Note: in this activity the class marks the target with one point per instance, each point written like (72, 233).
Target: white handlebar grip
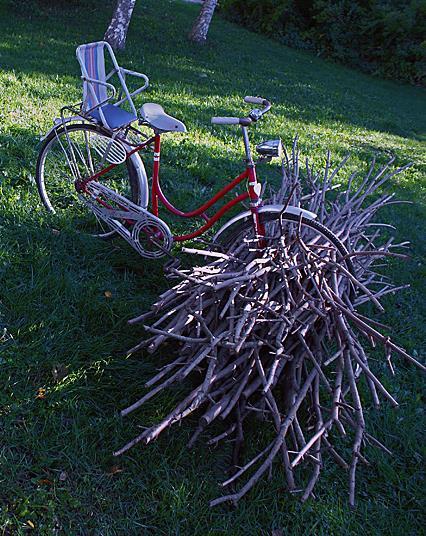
(254, 100)
(225, 120)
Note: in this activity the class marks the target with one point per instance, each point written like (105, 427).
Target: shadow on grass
(55, 310)
(309, 89)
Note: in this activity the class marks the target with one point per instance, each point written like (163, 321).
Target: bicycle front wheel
(75, 152)
(295, 230)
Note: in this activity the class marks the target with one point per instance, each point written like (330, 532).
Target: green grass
(54, 310)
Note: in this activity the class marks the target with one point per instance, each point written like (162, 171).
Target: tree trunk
(117, 29)
(202, 24)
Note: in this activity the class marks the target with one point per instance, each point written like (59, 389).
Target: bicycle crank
(147, 234)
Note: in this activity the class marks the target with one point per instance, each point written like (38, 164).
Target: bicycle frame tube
(158, 196)
(211, 221)
(80, 185)
(252, 194)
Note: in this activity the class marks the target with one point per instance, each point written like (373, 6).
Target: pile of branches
(277, 334)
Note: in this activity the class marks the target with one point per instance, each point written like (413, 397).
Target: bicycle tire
(245, 226)
(45, 179)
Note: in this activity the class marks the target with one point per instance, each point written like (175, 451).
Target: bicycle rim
(79, 151)
(313, 234)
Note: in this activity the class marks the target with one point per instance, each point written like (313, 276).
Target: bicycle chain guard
(148, 235)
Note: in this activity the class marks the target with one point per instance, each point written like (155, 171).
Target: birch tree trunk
(201, 26)
(117, 29)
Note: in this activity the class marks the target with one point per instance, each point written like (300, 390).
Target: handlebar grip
(256, 100)
(225, 120)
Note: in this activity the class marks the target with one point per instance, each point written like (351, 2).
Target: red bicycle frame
(157, 195)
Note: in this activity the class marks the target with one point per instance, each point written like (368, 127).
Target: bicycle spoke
(69, 156)
(89, 154)
(71, 163)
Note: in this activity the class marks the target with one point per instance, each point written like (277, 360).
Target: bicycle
(83, 152)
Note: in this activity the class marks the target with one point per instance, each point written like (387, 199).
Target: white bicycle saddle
(156, 117)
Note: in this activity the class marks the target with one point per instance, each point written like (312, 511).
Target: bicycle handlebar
(253, 116)
(225, 120)
(256, 100)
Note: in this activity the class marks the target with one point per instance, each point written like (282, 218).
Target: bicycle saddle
(156, 117)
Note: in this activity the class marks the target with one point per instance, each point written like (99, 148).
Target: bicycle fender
(141, 177)
(57, 123)
(297, 211)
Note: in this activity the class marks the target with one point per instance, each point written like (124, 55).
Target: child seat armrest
(100, 82)
(138, 75)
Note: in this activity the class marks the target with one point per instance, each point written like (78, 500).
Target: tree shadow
(308, 89)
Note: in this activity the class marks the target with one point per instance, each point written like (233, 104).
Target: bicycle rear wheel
(76, 151)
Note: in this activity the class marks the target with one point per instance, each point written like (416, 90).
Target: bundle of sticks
(275, 333)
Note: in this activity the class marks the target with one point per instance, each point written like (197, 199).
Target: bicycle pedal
(173, 263)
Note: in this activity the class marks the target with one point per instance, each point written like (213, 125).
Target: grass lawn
(57, 474)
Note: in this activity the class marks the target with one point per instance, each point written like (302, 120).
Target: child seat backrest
(92, 62)
(93, 59)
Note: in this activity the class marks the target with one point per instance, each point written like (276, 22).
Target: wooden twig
(274, 334)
